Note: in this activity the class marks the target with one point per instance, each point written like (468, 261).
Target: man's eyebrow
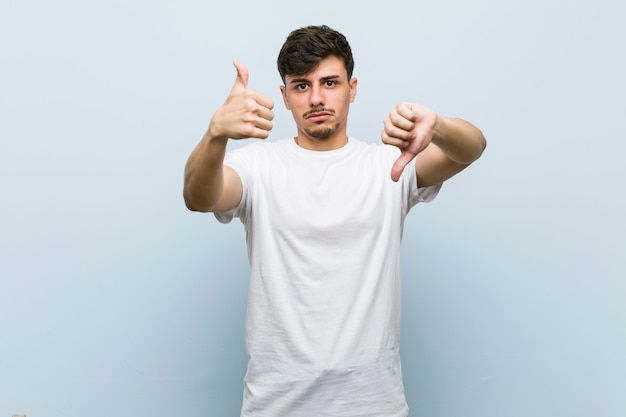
(306, 80)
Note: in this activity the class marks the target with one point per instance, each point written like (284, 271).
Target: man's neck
(325, 144)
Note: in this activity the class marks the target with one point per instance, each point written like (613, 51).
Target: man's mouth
(318, 115)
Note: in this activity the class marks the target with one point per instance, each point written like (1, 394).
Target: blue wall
(115, 300)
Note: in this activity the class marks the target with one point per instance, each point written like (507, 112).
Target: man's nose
(317, 96)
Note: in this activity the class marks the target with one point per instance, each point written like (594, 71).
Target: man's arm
(443, 146)
(209, 185)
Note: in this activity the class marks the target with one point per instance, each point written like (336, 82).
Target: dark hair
(306, 47)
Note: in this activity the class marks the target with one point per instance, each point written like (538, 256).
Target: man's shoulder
(269, 143)
(270, 147)
(259, 146)
(378, 148)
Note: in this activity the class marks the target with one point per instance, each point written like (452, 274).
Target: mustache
(318, 110)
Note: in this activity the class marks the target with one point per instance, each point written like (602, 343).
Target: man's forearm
(461, 141)
(204, 175)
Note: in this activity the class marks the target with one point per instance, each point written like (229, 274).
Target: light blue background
(116, 301)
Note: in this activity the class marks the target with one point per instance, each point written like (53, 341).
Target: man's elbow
(480, 146)
(194, 205)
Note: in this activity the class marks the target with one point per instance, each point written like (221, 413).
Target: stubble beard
(322, 132)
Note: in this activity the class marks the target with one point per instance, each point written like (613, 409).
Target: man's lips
(318, 115)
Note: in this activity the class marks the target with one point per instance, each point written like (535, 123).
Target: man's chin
(321, 133)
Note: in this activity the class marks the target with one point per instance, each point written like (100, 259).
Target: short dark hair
(306, 47)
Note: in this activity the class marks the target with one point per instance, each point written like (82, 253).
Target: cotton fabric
(323, 231)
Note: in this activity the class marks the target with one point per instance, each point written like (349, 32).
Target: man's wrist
(439, 130)
(214, 136)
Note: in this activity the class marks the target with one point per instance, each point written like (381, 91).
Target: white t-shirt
(323, 320)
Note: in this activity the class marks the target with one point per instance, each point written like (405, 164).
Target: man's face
(319, 102)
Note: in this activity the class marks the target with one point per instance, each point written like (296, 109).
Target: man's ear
(353, 84)
(283, 92)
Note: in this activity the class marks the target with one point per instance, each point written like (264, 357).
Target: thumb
(242, 74)
(398, 166)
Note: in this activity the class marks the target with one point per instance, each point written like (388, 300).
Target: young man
(323, 214)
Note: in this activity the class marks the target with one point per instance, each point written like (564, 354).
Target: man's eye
(330, 83)
(301, 87)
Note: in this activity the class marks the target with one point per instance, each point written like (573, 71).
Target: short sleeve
(416, 194)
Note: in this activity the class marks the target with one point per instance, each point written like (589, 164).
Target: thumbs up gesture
(409, 127)
(245, 114)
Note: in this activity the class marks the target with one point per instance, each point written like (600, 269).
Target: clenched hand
(245, 114)
(409, 127)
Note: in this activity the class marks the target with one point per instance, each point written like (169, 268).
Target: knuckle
(248, 130)
(250, 106)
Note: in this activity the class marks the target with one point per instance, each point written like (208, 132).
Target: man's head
(306, 47)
